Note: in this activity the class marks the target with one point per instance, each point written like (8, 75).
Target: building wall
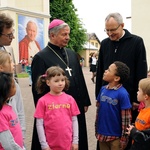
(141, 22)
(86, 55)
(35, 9)
(95, 43)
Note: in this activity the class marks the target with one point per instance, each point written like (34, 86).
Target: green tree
(65, 10)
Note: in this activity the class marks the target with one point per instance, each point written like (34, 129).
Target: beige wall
(140, 20)
(95, 43)
(86, 54)
(30, 5)
(35, 8)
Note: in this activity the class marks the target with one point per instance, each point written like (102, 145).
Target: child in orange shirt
(141, 132)
(142, 105)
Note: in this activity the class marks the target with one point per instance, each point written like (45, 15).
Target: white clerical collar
(123, 33)
(2, 48)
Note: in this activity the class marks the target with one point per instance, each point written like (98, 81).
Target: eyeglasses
(10, 35)
(111, 30)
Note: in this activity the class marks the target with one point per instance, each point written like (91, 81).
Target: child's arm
(96, 118)
(126, 120)
(7, 141)
(75, 133)
(18, 107)
(41, 134)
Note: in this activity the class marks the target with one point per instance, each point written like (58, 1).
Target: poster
(30, 37)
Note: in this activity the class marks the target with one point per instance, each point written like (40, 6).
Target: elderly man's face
(62, 38)
(113, 29)
(31, 31)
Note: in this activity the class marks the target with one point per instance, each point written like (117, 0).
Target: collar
(2, 48)
(9, 100)
(115, 87)
(54, 46)
(123, 33)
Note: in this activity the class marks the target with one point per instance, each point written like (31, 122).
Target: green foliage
(22, 75)
(65, 10)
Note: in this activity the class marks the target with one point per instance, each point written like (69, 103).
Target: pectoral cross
(69, 70)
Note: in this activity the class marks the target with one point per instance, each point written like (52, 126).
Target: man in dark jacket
(123, 46)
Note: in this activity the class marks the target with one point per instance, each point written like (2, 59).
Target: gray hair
(116, 16)
(31, 22)
(56, 29)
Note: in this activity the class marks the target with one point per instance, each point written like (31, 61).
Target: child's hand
(123, 142)
(48, 148)
(135, 106)
(123, 145)
(24, 148)
(85, 109)
(97, 104)
(129, 129)
(74, 147)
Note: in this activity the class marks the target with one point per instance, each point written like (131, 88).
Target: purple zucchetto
(55, 22)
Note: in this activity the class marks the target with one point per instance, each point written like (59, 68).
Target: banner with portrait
(30, 36)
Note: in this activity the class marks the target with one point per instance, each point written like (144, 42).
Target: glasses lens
(11, 34)
(111, 30)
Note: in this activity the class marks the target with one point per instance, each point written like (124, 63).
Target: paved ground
(29, 109)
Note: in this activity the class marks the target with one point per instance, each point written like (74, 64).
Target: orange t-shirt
(143, 119)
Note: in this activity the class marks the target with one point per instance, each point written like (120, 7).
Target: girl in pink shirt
(10, 130)
(56, 112)
(16, 101)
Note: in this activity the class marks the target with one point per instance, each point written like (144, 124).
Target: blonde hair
(3, 57)
(144, 85)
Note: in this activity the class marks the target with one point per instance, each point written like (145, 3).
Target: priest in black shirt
(55, 54)
(121, 45)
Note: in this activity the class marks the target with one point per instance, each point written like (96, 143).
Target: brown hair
(50, 72)
(5, 87)
(5, 22)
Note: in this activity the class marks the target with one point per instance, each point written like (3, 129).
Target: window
(96, 44)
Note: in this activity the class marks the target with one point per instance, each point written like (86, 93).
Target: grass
(22, 75)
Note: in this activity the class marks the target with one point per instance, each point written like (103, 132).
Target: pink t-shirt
(57, 112)
(9, 121)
